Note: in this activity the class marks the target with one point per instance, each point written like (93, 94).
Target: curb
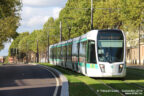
(65, 86)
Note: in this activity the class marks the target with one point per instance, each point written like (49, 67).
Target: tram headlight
(102, 67)
(120, 68)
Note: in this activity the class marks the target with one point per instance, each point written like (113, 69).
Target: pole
(19, 55)
(139, 46)
(37, 53)
(69, 32)
(48, 46)
(13, 55)
(91, 14)
(60, 31)
(27, 52)
(16, 55)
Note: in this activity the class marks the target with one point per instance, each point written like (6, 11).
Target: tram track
(108, 85)
(127, 83)
(97, 93)
(134, 84)
(100, 81)
(86, 85)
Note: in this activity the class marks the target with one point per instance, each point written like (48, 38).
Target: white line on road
(57, 81)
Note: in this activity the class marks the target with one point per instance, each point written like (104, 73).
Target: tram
(98, 53)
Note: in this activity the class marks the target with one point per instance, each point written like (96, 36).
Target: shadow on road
(26, 80)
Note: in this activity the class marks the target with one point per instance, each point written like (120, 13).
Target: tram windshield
(110, 46)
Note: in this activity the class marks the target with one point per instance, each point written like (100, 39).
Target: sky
(34, 14)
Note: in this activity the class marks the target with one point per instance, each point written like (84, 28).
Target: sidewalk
(135, 66)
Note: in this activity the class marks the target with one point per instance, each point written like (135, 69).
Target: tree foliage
(9, 19)
(126, 15)
(16, 42)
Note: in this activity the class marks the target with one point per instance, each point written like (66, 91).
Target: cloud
(37, 20)
(28, 12)
(44, 3)
(34, 14)
(56, 12)
(34, 18)
(32, 23)
(4, 52)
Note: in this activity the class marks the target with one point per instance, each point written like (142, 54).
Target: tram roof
(83, 37)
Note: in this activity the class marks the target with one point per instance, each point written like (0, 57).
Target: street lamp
(37, 54)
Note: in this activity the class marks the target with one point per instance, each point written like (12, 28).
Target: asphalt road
(27, 80)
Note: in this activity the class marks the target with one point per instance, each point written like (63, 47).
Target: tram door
(91, 55)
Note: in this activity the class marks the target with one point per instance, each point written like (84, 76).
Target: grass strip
(92, 83)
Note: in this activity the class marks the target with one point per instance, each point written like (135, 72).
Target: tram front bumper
(115, 70)
(114, 74)
(109, 75)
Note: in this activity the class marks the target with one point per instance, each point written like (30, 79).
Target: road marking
(57, 81)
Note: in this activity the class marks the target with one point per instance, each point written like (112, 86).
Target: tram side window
(58, 51)
(60, 55)
(53, 53)
(91, 52)
(67, 53)
(50, 53)
(83, 51)
(75, 49)
(69, 49)
(64, 52)
(70, 52)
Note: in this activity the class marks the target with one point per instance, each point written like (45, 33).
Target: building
(133, 55)
(11, 60)
(1, 59)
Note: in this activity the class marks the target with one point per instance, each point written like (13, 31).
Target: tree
(126, 15)
(15, 43)
(9, 19)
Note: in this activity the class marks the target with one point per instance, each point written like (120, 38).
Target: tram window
(64, 52)
(83, 49)
(75, 49)
(50, 53)
(91, 52)
(61, 52)
(69, 51)
(110, 46)
(58, 53)
(54, 52)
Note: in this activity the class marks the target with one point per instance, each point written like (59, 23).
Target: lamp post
(139, 45)
(91, 14)
(37, 53)
(60, 31)
(48, 45)
(27, 52)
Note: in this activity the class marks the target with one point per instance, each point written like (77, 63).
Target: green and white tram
(99, 53)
